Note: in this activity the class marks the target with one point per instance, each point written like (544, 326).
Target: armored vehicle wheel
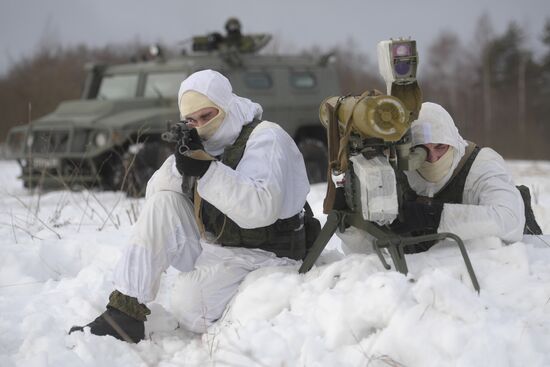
(112, 171)
(142, 165)
(315, 157)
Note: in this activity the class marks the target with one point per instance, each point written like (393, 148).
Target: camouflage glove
(418, 217)
(195, 161)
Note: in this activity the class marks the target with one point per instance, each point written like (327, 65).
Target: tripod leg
(320, 243)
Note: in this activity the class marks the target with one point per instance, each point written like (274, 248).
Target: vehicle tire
(111, 171)
(315, 157)
(141, 166)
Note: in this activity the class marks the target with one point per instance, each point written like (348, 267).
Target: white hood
(239, 111)
(434, 125)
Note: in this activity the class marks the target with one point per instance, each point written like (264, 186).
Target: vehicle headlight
(101, 139)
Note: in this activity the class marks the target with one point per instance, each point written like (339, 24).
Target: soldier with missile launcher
(403, 178)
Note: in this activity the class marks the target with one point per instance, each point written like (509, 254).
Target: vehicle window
(258, 80)
(302, 79)
(118, 86)
(163, 84)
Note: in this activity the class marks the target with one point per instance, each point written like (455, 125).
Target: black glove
(418, 216)
(186, 165)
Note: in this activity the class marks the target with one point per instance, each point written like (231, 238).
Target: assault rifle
(178, 132)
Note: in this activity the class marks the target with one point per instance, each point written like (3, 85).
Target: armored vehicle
(110, 138)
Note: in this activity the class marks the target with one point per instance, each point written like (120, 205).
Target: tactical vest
(453, 191)
(285, 237)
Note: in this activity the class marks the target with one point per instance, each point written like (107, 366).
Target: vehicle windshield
(163, 85)
(118, 86)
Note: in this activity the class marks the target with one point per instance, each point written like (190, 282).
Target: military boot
(124, 319)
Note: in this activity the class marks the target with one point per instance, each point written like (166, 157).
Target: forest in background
(496, 89)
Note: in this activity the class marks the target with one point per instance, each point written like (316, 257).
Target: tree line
(496, 89)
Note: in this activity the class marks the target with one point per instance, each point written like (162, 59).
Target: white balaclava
(435, 125)
(238, 111)
(192, 102)
(435, 171)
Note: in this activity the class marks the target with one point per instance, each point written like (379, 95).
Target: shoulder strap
(232, 155)
(467, 154)
(453, 190)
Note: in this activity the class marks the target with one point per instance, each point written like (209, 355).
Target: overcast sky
(297, 24)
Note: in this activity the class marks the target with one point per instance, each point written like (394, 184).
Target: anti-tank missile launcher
(369, 147)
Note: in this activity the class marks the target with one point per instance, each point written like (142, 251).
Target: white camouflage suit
(269, 183)
(491, 204)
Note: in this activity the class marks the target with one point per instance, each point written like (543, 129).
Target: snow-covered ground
(58, 250)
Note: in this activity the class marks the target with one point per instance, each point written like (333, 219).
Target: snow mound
(59, 249)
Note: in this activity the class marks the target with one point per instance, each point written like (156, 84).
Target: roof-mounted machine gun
(369, 147)
(233, 43)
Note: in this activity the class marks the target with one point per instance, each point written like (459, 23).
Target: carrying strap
(197, 201)
(333, 140)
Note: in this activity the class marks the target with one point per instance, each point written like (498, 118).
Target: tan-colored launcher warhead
(379, 116)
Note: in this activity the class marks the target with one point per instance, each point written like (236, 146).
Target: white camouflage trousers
(166, 234)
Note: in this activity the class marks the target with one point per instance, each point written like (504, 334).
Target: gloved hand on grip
(418, 216)
(194, 161)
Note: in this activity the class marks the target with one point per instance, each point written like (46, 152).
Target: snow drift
(59, 249)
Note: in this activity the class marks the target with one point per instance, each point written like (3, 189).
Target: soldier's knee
(190, 305)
